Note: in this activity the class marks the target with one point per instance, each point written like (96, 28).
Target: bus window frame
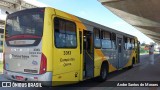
(114, 40)
(125, 42)
(27, 12)
(102, 38)
(132, 42)
(94, 29)
(65, 32)
(129, 42)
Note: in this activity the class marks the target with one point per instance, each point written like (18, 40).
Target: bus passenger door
(88, 54)
(138, 51)
(120, 58)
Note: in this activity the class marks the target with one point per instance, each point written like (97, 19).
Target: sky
(94, 11)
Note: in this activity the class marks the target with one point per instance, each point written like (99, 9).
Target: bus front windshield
(24, 24)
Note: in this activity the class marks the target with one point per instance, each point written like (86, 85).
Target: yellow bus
(46, 44)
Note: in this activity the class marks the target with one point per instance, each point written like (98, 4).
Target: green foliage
(142, 50)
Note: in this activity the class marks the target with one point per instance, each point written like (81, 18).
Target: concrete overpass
(16, 5)
(142, 14)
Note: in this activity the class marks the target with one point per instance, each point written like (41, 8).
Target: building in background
(15, 5)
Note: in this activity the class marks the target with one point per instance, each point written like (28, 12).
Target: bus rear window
(24, 28)
(65, 33)
(25, 24)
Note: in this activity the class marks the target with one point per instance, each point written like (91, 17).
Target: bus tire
(103, 73)
(133, 62)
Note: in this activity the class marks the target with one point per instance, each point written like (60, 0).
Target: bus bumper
(45, 79)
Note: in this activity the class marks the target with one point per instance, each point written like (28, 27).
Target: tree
(143, 44)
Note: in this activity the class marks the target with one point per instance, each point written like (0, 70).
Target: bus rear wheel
(133, 62)
(103, 73)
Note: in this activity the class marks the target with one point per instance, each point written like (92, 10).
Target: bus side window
(132, 42)
(135, 43)
(65, 33)
(59, 27)
(113, 40)
(129, 46)
(125, 43)
(106, 39)
(70, 34)
(97, 39)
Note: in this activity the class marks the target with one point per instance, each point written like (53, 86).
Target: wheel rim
(104, 73)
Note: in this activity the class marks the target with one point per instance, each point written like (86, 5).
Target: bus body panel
(47, 45)
(67, 62)
(23, 60)
(23, 42)
(130, 60)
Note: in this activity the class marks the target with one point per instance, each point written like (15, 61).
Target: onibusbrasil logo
(18, 84)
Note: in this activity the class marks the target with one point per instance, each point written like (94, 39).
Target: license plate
(19, 78)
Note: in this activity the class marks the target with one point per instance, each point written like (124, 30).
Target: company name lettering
(20, 56)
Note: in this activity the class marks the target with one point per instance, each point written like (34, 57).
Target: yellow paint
(99, 57)
(62, 70)
(47, 39)
(65, 78)
(55, 56)
(97, 61)
(112, 68)
(130, 59)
